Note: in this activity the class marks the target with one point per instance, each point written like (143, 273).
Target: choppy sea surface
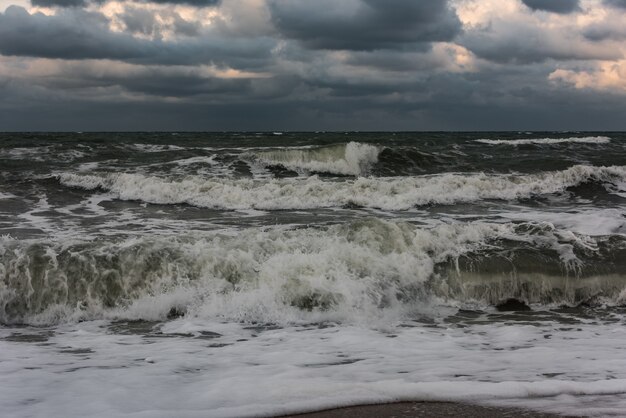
(257, 274)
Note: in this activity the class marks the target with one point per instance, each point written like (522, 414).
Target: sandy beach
(423, 409)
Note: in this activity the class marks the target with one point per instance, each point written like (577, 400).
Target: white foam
(396, 193)
(342, 273)
(196, 160)
(86, 167)
(41, 153)
(69, 155)
(36, 216)
(347, 159)
(251, 213)
(548, 141)
(211, 363)
(4, 195)
(91, 205)
(593, 222)
(30, 153)
(366, 271)
(618, 188)
(151, 148)
(245, 373)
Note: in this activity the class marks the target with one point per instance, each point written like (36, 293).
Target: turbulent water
(256, 274)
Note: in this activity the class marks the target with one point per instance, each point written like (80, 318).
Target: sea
(259, 274)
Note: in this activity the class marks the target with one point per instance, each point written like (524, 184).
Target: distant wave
(352, 159)
(548, 141)
(152, 148)
(195, 160)
(41, 153)
(398, 193)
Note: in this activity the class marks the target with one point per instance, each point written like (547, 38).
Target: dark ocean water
(231, 244)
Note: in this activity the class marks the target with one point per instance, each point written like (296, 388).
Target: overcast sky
(313, 65)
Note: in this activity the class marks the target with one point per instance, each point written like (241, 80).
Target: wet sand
(424, 409)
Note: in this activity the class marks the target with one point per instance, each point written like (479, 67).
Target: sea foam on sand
(199, 368)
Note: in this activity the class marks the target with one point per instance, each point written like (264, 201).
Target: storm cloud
(59, 3)
(82, 3)
(364, 24)
(79, 34)
(312, 65)
(555, 6)
(616, 3)
(68, 35)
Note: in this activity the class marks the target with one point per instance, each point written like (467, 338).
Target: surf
(345, 273)
(393, 193)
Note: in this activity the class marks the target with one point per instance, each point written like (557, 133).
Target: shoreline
(423, 409)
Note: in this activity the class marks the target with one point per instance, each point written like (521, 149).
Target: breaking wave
(399, 193)
(548, 141)
(42, 153)
(153, 148)
(352, 159)
(348, 272)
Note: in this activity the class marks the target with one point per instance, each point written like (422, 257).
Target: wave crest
(347, 272)
(352, 159)
(398, 193)
(548, 141)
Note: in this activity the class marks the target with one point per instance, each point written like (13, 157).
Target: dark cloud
(519, 43)
(113, 115)
(364, 24)
(71, 34)
(616, 3)
(78, 34)
(82, 3)
(185, 27)
(154, 82)
(393, 61)
(153, 22)
(59, 3)
(597, 33)
(181, 85)
(492, 100)
(603, 32)
(197, 3)
(92, 80)
(555, 6)
(140, 21)
(150, 74)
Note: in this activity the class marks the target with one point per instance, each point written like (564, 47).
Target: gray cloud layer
(68, 35)
(82, 3)
(364, 24)
(302, 64)
(556, 6)
(616, 3)
(59, 3)
(78, 34)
